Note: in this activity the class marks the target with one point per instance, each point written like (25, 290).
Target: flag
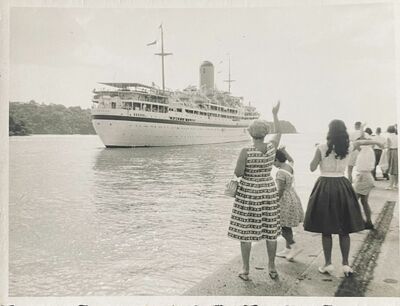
(152, 43)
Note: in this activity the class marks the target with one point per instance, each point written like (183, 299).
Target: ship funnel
(206, 76)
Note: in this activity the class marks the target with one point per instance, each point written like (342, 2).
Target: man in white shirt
(378, 151)
(353, 136)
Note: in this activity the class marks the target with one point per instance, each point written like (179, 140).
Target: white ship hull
(123, 128)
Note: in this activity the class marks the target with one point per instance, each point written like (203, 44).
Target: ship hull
(131, 131)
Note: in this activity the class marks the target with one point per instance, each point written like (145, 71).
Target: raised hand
(275, 109)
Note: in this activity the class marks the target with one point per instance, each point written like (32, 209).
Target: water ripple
(95, 221)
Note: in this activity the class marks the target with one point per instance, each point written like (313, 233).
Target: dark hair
(391, 129)
(280, 156)
(368, 131)
(378, 130)
(338, 139)
(358, 124)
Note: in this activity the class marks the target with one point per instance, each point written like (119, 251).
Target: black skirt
(333, 208)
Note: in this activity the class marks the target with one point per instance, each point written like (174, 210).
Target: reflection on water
(85, 220)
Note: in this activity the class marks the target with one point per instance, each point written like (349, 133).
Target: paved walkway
(301, 277)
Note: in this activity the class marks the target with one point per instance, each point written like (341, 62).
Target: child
(290, 205)
(364, 180)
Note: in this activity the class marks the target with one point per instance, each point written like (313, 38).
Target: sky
(321, 62)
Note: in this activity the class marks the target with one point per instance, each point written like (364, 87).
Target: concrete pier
(374, 255)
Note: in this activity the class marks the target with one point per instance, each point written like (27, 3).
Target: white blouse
(331, 166)
(392, 138)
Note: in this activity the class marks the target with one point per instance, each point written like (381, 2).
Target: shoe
(327, 269)
(273, 274)
(347, 270)
(294, 250)
(283, 253)
(369, 226)
(389, 188)
(244, 276)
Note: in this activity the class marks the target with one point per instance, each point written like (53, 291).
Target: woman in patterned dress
(255, 213)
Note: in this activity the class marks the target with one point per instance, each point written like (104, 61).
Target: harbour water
(85, 220)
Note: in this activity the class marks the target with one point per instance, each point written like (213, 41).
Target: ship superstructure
(135, 115)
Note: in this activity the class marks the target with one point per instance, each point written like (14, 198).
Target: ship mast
(229, 80)
(162, 54)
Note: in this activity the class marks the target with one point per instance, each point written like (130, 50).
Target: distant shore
(32, 118)
(27, 118)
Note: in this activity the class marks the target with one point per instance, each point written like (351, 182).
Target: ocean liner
(138, 115)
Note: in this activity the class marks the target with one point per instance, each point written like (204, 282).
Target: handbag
(231, 188)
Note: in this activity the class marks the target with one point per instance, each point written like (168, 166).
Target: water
(85, 220)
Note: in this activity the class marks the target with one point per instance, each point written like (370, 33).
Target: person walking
(353, 155)
(290, 205)
(255, 213)
(364, 180)
(392, 146)
(333, 206)
(378, 152)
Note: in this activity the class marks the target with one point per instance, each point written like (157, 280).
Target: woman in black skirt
(333, 207)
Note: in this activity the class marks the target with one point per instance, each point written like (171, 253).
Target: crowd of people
(265, 208)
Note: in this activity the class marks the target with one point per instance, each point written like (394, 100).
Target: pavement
(373, 254)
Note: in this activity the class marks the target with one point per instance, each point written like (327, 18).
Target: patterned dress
(290, 205)
(255, 213)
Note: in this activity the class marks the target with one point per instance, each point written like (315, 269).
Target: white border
(153, 300)
(4, 80)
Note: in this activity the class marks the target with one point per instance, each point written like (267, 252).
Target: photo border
(5, 6)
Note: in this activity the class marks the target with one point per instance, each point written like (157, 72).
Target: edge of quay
(373, 255)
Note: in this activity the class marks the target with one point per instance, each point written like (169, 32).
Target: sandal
(347, 270)
(244, 276)
(326, 269)
(273, 274)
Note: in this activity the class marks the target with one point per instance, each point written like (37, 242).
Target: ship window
(154, 108)
(127, 105)
(136, 106)
(113, 105)
(148, 107)
(179, 110)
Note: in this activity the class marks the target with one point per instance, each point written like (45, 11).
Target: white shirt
(392, 141)
(365, 159)
(353, 136)
(331, 166)
(380, 139)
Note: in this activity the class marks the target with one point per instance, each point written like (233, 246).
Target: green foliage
(35, 118)
(17, 127)
(287, 127)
